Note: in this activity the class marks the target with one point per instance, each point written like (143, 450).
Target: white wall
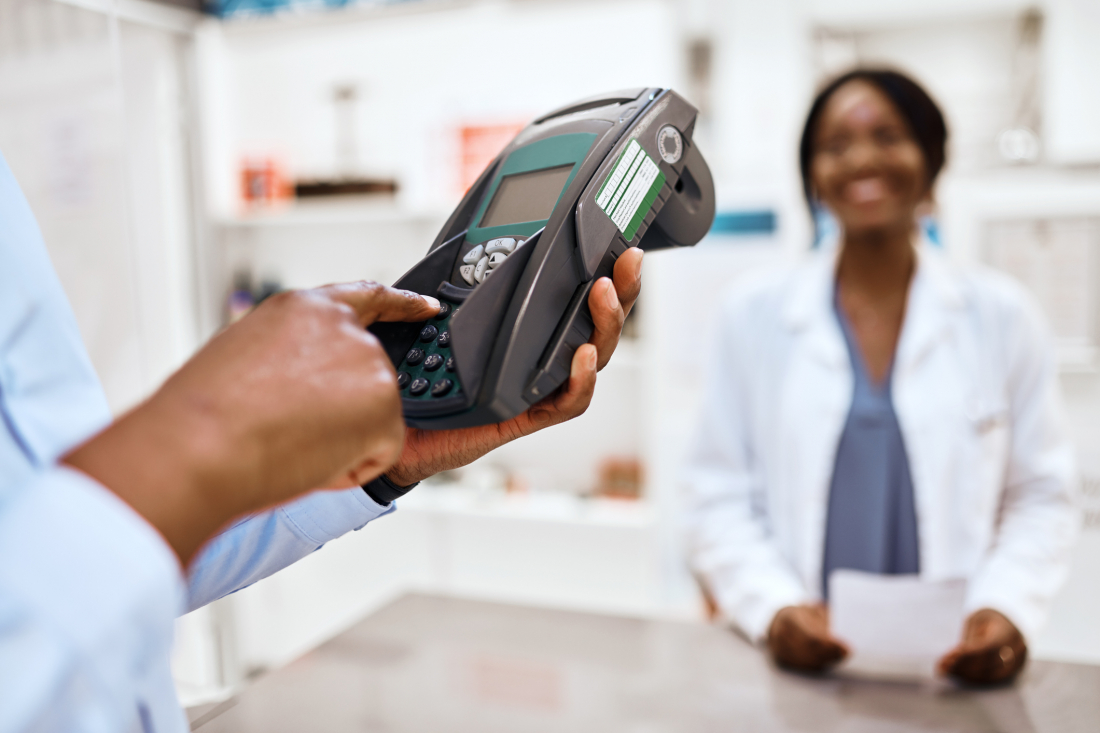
(90, 123)
(1072, 96)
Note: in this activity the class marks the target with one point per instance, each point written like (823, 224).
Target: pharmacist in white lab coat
(880, 409)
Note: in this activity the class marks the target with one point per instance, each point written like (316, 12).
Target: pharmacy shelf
(332, 213)
(556, 507)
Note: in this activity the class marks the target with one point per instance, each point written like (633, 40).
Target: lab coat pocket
(987, 419)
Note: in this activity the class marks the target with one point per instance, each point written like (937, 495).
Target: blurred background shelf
(333, 213)
(565, 507)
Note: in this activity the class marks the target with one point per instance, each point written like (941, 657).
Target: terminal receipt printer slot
(514, 264)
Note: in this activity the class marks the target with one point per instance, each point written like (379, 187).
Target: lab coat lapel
(809, 311)
(933, 295)
(816, 399)
(927, 385)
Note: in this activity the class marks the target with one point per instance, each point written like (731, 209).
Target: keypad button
(428, 333)
(442, 387)
(403, 380)
(418, 387)
(505, 245)
(496, 258)
(450, 363)
(444, 311)
(444, 339)
(467, 272)
(474, 255)
(479, 270)
(433, 362)
(414, 357)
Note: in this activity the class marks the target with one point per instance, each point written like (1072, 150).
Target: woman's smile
(866, 191)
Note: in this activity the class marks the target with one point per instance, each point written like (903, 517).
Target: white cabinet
(1071, 82)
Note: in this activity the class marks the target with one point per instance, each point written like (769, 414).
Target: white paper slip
(896, 626)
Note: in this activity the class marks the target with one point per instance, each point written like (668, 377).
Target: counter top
(429, 663)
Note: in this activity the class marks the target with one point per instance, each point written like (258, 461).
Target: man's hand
(294, 396)
(992, 650)
(799, 639)
(427, 452)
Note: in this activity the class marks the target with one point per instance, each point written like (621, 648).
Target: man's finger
(607, 318)
(373, 301)
(577, 395)
(567, 402)
(628, 277)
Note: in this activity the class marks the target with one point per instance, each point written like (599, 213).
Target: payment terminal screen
(526, 196)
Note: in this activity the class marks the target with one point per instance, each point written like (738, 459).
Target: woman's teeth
(866, 190)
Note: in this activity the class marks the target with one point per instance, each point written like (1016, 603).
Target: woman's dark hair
(923, 116)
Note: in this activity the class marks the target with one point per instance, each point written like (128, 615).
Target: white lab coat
(975, 391)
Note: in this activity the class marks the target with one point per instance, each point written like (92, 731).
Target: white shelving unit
(361, 210)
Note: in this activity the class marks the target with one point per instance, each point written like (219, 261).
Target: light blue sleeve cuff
(323, 516)
(262, 544)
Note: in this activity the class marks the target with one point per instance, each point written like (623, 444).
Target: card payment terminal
(515, 262)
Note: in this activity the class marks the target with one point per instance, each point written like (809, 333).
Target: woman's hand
(992, 650)
(295, 395)
(427, 452)
(799, 639)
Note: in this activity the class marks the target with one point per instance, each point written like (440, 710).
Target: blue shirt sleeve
(264, 543)
(88, 597)
(89, 590)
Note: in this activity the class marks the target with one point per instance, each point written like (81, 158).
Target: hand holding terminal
(294, 396)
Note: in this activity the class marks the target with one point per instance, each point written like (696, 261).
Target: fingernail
(638, 268)
(592, 359)
(433, 302)
(611, 296)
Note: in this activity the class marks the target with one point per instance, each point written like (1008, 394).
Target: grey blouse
(872, 520)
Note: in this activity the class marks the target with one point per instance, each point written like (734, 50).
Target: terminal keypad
(479, 262)
(428, 369)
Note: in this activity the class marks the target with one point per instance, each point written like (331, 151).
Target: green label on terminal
(629, 192)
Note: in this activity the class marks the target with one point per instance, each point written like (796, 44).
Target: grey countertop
(426, 663)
